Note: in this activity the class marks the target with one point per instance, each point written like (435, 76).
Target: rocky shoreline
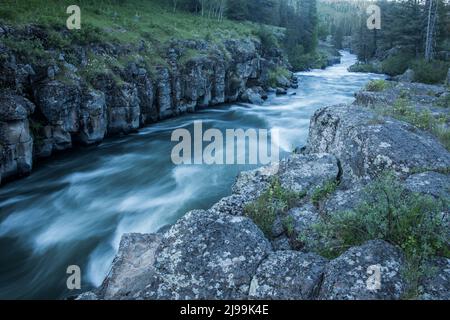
(228, 253)
(52, 100)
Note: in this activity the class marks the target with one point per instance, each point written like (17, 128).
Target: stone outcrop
(366, 145)
(346, 277)
(288, 275)
(96, 95)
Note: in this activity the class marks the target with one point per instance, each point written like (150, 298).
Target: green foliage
(377, 85)
(288, 223)
(430, 72)
(322, 192)
(267, 37)
(363, 67)
(276, 200)
(424, 120)
(396, 65)
(275, 74)
(31, 49)
(389, 212)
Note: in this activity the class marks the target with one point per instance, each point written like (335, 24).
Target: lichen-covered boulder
(204, 255)
(303, 173)
(430, 183)
(367, 146)
(436, 284)
(288, 275)
(353, 275)
(133, 264)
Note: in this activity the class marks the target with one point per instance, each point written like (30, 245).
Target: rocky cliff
(229, 252)
(52, 99)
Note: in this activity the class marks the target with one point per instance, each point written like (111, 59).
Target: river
(74, 209)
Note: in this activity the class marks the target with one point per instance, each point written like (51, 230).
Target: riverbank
(53, 100)
(367, 197)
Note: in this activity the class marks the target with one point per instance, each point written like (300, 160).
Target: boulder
(435, 285)
(205, 255)
(133, 264)
(280, 91)
(288, 275)
(366, 146)
(353, 275)
(430, 183)
(252, 96)
(408, 76)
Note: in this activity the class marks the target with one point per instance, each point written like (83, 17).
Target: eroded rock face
(122, 102)
(288, 275)
(93, 117)
(367, 146)
(16, 142)
(346, 277)
(77, 103)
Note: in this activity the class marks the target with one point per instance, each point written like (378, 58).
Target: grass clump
(424, 120)
(377, 85)
(322, 192)
(413, 222)
(275, 201)
(277, 73)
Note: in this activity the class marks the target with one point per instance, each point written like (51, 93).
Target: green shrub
(268, 39)
(275, 74)
(430, 72)
(424, 120)
(396, 65)
(363, 67)
(276, 200)
(411, 221)
(322, 192)
(377, 85)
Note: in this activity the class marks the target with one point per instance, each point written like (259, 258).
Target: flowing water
(74, 209)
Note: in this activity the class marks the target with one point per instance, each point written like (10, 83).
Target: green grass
(411, 221)
(275, 201)
(321, 193)
(275, 74)
(423, 120)
(377, 85)
(124, 21)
